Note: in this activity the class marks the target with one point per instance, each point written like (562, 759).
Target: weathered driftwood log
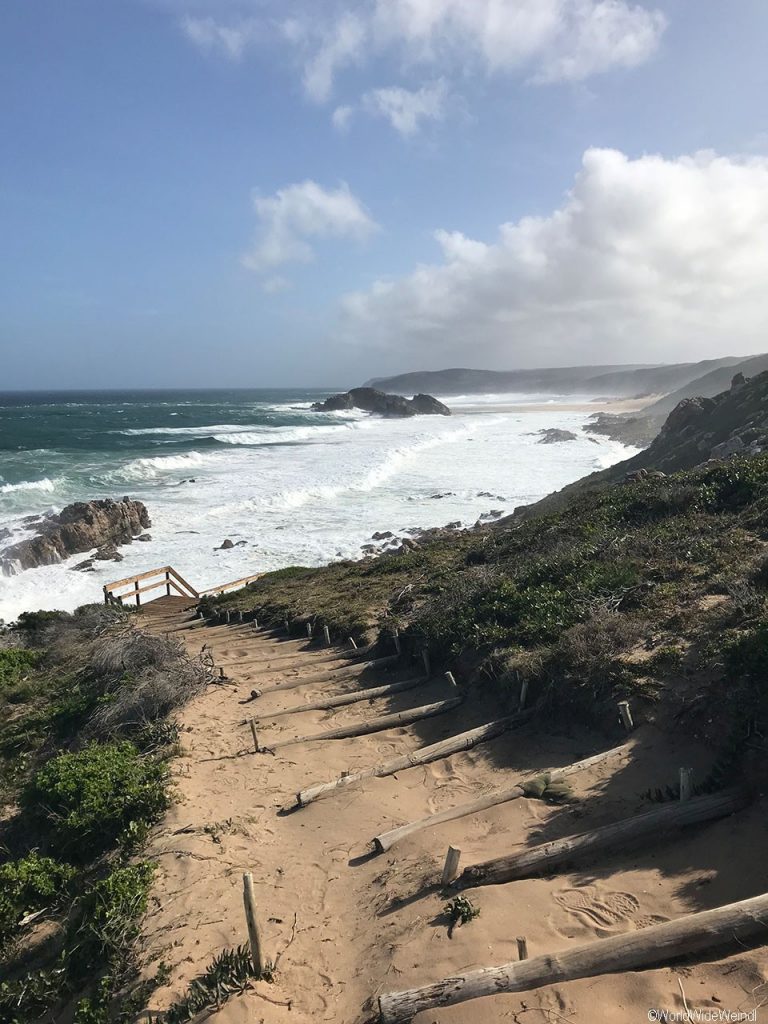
(374, 724)
(342, 699)
(329, 677)
(652, 825)
(386, 840)
(423, 755)
(655, 945)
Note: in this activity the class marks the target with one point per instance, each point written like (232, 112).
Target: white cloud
(548, 40)
(213, 36)
(342, 44)
(299, 213)
(342, 118)
(646, 258)
(406, 109)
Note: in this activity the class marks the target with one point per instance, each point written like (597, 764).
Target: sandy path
(367, 924)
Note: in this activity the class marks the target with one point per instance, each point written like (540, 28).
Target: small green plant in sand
(229, 973)
(460, 910)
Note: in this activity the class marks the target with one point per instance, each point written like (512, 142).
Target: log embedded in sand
(268, 661)
(386, 840)
(424, 755)
(651, 825)
(329, 677)
(376, 724)
(353, 697)
(655, 945)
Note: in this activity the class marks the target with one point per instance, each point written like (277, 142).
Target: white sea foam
(316, 498)
(151, 468)
(46, 485)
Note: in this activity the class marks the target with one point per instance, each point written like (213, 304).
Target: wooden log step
(392, 721)
(329, 677)
(269, 661)
(655, 824)
(385, 840)
(423, 755)
(342, 699)
(658, 944)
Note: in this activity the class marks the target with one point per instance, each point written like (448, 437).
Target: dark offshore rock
(371, 400)
(82, 526)
(553, 435)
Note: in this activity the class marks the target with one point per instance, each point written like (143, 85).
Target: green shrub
(90, 797)
(32, 883)
(110, 914)
(15, 662)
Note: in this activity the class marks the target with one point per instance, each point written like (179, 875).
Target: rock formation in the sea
(82, 526)
(371, 400)
(553, 435)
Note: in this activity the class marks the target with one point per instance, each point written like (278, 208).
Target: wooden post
(309, 630)
(451, 680)
(523, 693)
(255, 735)
(255, 622)
(451, 866)
(249, 902)
(345, 775)
(229, 616)
(626, 715)
(221, 673)
(241, 615)
(327, 636)
(106, 595)
(396, 639)
(167, 583)
(685, 783)
(427, 666)
(287, 627)
(522, 948)
(138, 595)
(352, 643)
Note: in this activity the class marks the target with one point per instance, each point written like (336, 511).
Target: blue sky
(235, 192)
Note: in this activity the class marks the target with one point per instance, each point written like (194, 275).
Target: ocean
(287, 485)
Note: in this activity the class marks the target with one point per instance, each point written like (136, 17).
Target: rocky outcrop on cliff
(371, 400)
(698, 430)
(79, 527)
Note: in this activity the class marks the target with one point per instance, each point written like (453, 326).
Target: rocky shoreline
(102, 525)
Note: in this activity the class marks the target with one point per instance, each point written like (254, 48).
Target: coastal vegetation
(84, 746)
(652, 589)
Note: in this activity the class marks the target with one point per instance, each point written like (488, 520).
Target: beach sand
(345, 926)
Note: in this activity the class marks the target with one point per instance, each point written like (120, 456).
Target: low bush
(15, 662)
(88, 798)
(29, 884)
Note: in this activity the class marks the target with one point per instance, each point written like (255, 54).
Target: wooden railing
(166, 577)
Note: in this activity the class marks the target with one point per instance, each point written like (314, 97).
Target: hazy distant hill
(709, 384)
(620, 380)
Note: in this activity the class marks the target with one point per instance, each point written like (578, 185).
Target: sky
(268, 193)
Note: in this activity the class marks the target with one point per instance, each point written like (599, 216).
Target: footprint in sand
(647, 920)
(605, 910)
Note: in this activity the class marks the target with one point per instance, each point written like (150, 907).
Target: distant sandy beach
(614, 405)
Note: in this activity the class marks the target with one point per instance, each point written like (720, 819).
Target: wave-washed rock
(79, 527)
(371, 400)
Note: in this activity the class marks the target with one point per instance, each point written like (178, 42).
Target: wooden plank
(386, 840)
(655, 824)
(380, 724)
(423, 755)
(232, 585)
(658, 944)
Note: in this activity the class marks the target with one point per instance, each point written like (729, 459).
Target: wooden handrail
(170, 578)
(231, 586)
